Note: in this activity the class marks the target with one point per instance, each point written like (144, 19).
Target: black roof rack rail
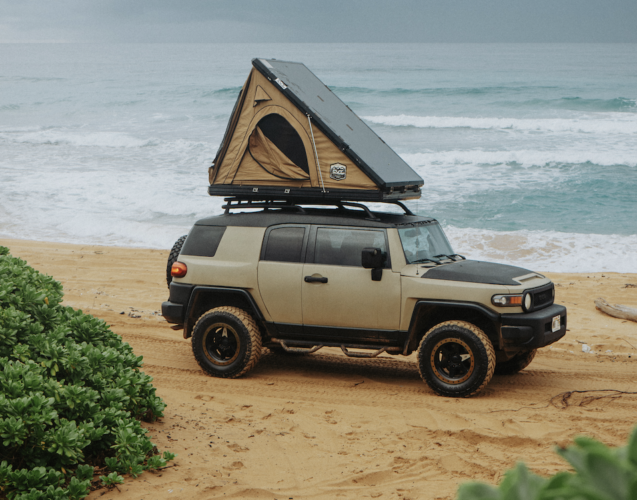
(235, 203)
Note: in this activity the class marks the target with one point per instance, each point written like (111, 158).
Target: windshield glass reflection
(421, 243)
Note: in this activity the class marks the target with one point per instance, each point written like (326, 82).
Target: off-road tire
(516, 364)
(230, 358)
(441, 363)
(172, 257)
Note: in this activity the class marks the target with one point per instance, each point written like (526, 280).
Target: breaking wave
(620, 124)
(525, 158)
(549, 251)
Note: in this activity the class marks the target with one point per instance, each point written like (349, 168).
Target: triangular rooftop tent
(290, 137)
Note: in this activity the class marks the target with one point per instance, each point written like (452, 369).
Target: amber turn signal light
(506, 300)
(178, 270)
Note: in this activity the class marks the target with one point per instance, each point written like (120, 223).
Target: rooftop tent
(290, 137)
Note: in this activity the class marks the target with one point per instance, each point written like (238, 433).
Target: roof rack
(235, 203)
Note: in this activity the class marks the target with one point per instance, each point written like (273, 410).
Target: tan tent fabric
(263, 151)
(236, 166)
(260, 95)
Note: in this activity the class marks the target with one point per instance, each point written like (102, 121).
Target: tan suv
(295, 279)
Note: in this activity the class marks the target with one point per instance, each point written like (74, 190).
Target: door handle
(315, 279)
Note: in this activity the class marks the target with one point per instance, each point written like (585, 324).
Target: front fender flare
(425, 310)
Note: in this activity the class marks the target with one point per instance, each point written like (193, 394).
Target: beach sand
(327, 426)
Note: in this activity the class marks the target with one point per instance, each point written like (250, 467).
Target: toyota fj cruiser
(295, 278)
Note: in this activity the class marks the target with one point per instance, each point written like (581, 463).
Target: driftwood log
(617, 311)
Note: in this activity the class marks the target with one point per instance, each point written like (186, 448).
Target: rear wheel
(226, 342)
(517, 363)
(456, 359)
(172, 257)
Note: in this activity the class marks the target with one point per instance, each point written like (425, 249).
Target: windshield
(424, 242)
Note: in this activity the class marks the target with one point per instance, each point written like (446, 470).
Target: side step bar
(313, 347)
(299, 350)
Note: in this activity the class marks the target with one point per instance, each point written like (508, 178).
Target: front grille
(542, 297)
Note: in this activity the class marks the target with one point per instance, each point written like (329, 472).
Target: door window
(284, 244)
(343, 247)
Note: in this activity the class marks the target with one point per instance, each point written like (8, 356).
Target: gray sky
(318, 21)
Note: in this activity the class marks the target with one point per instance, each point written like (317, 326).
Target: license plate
(556, 323)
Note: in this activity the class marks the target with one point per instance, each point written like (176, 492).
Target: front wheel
(226, 342)
(456, 359)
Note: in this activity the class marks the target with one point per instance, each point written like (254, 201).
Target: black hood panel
(474, 271)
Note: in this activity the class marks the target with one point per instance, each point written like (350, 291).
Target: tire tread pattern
(483, 339)
(172, 257)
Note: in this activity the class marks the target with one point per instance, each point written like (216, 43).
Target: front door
(339, 296)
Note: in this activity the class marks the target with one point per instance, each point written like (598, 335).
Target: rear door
(339, 296)
(280, 274)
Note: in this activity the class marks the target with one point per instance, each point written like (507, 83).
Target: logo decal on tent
(338, 171)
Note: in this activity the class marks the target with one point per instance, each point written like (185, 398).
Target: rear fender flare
(206, 297)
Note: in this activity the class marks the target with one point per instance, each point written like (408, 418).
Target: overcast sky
(318, 21)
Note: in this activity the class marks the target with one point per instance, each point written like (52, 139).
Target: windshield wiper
(422, 261)
(451, 257)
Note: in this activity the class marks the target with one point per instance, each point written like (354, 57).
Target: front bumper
(532, 330)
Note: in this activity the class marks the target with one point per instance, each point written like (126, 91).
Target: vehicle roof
(334, 217)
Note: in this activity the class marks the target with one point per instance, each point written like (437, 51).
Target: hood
(475, 271)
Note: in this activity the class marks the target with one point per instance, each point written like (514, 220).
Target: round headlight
(528, 301)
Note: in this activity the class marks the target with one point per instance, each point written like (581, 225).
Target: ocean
(528, 151)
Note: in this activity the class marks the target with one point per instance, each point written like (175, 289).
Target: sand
(327, 426)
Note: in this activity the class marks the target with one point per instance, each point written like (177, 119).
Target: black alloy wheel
(221, 344)
(452, 361)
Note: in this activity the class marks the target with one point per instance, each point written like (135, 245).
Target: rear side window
(284, 244)
(203, 241)
(343, 247)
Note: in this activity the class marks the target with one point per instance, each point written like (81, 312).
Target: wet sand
(327, 426)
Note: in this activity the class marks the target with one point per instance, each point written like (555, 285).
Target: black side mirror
(374, 259)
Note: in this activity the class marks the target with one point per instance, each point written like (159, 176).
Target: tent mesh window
(279, 131)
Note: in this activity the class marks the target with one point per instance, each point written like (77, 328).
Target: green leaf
(478, 491)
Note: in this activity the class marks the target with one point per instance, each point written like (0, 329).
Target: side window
(343, 247)
(284, 244)
(203, 241)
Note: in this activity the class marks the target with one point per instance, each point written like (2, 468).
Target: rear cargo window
(285, 244)
(203, 241)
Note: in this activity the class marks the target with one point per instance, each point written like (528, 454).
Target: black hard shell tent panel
(285, 144)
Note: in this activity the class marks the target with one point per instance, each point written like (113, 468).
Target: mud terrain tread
(516, 364)
(172, 257)
(254, 347)
(483, 339)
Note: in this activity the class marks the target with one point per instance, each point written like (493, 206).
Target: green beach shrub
(599, 473)
(71, 394)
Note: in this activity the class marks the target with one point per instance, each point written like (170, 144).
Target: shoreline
(323, 425)
(569, 253)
